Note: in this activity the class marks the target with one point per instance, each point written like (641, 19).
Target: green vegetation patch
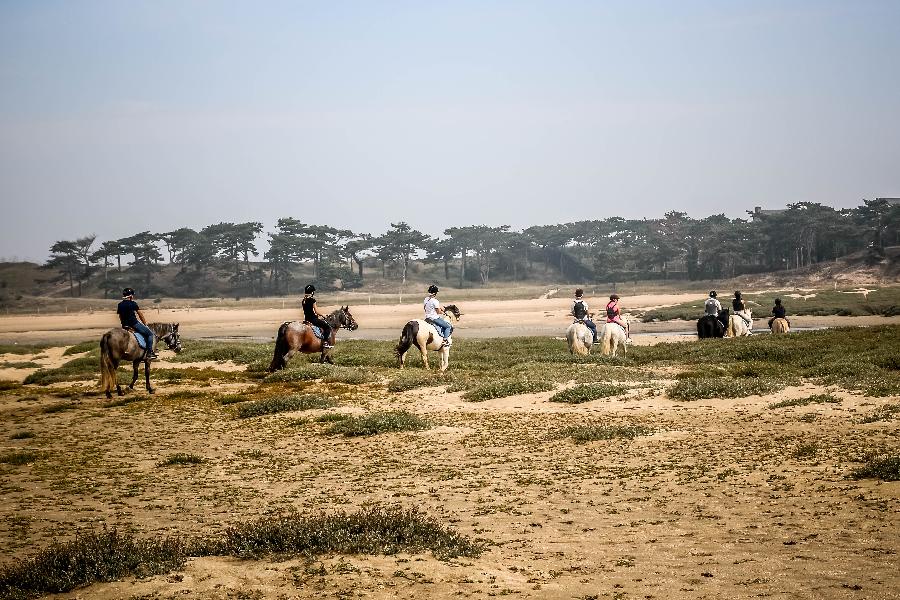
(22, 348)
(82, 347)
(78, 369)
(91, 557)
(59, 407)
(180, 458)
(19, 457)
(504, 388)
(814, 399)
(888, 412)
(21, 435)
(331, 417)
(238, 352)
(278, 404)
(596, 431)
(886, 468)
(27, 364)
(379, 422)
(6, 385)
(721, 387)
(412, 379)
(300, 372)
(586, 393)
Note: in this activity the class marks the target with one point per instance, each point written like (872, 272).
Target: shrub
(180, 458)
(82, 347)
(593, 432)
(586, 393)
(886, 468)
(59, 407)
(379, 422)
(22, 435)
(721, 387)
(882, 413)
(91, 557)
(814, 399)
(410, 380)
(6, 385)
(303, 372)
(279, 404)
(330, 417)
(504, 388)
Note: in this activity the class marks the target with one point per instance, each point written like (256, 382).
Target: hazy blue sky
(117, 117)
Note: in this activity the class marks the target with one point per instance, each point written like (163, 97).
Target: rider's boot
(447, 342)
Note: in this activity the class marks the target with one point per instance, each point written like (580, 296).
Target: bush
(19, 457)
(502, 389)
(410, 380)
(586, 393)
(82, 347)
(270, 406)
(721, 387)
(180, 458)
(886, 468)
(22, 435)
(814, 399)
(379, 422)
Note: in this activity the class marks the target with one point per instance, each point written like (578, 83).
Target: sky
(119, 117)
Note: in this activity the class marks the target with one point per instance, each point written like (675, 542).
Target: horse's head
(172, 340)
(453, 310)
(346, 320)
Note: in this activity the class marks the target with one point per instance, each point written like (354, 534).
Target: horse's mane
(453, 310)
(162, 329)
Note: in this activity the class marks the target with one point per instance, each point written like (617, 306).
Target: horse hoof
(108, 396)
(150, 390)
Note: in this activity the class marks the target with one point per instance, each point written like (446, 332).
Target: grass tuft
(6, 385)
(814, 399)
(721, 387)
(410, 380)
(278, 404)
(883, 413)
(22, 435)
(59, 407)
(82, 347)
(504, 388)
(594, 432)
(886, 468)
(586, 393)
(19, 457)
(379, 422)
(180, 458)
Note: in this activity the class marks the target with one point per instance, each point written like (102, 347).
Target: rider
(131, 317)
(313, 316)
(433, 311)
(712, 306)
(581, 312)
(778, 312)
(740, 310)
(614, 315)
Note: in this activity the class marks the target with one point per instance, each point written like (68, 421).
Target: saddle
(619, 324)
(317, 331)
(141, 341)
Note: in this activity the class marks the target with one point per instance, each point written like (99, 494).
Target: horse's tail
(606, 341)
(107, 367)
(730, 331)
(407, 338)
(281, 349)
(576, 343)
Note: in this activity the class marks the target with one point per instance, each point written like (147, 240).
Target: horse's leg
(445, 358)
(135, 375)
(147, 376)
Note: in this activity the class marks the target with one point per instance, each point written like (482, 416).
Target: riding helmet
(713, 294)
(737, 295)
(432, 289)
(309, 289)
(127, 292)
(579, 293)
(614, 297)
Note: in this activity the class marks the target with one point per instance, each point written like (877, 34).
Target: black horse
(709, 326)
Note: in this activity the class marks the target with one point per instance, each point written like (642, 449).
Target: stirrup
(326, 346)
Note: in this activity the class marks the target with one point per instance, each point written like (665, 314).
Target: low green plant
(22, 348)
(412, 379)
(22, 435)
(6, 385)
(883, 413)
(331, 417)
(508, 387)
(19, 457)
(300, 372)
(595, 431)
(59, 407)
(721, 387)
(180, 458)
(886, 468)
(27, 364)
(278, 404)
(586, 393)
(379, 422)
(814, 399)
(82, 347)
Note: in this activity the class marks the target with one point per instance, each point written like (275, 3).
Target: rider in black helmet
(131, 317)
(312, 316)
(433, 312)
(712, 306)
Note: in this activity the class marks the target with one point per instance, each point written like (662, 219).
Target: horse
(709, 326)
(612, 335)
(780, 326)
(120, 344)
(425, 337)
(298, 336)
(737, 326)
(579, 338)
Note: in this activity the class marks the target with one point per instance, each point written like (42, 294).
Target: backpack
(579, 311)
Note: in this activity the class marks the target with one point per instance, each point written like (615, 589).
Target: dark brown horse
(119, 344)
(297, 336)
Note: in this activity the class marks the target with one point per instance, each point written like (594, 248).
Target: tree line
(675, 246)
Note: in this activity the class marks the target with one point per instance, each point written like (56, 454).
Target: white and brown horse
(424, 336)
(119, 345)
(298, 336)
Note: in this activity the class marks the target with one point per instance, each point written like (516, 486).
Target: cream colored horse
(580, 338)
(612, 335)
(737, 327)
(424, 336)
(780, 326)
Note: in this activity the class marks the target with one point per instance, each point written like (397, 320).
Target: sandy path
(481, 318)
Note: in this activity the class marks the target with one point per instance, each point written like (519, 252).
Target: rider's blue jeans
(444, 328)
(146, 332)
(590, 325)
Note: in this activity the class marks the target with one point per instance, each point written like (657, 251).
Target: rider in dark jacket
(131, 317)
(312, 316)
(778, 312)
(581, 312)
